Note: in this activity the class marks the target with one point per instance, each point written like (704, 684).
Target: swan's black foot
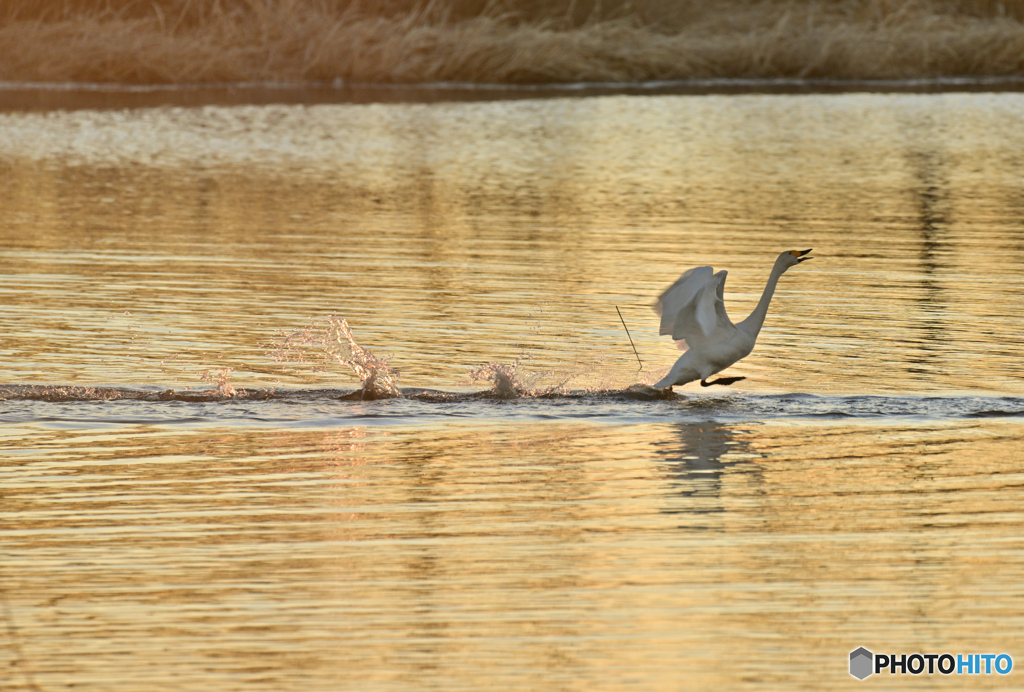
(721, 380)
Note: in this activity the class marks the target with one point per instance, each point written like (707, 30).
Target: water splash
(225, 389)
(511, 381)
(504, 379)
(379, 380)
(330, 344)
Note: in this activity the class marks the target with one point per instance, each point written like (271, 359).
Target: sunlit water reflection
(198, 496)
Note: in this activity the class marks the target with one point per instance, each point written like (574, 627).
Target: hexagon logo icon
(862, 663)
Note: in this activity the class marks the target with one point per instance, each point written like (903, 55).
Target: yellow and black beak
(799, 254)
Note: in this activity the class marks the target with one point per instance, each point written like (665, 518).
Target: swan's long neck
(752, 325)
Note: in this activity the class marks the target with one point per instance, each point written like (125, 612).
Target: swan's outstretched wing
(682, 296)
(693, 307)
(720, 313)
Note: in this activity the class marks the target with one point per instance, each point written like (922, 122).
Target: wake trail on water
(325, 346)
(322, 348)
(506, 399)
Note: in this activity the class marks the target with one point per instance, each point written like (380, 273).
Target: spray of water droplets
(225, 389)
(329, 344)
(511, 380)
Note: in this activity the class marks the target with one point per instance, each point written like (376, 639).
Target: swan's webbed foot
(721, 380)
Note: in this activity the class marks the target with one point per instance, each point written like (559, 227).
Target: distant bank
(515, 42)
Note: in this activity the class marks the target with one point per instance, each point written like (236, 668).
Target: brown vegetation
(515, 41)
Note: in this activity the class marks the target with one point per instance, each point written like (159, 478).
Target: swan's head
(791, 258)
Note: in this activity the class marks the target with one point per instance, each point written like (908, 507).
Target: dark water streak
(296, 407)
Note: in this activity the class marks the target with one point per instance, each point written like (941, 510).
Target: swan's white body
(693, 310)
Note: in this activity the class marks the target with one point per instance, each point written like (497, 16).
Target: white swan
(693, 311)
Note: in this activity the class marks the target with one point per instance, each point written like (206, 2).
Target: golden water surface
(862, 487)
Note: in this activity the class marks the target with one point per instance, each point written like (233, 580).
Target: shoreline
(40, 96)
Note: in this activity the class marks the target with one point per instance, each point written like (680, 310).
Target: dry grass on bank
(524, 41)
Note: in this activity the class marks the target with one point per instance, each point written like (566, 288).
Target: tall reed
(504, 41)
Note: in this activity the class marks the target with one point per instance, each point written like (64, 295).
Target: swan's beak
(799, 254)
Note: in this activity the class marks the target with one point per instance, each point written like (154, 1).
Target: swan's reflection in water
(700, 461)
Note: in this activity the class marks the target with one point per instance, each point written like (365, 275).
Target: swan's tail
(680, 373)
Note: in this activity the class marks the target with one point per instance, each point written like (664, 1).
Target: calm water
(195, 496)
